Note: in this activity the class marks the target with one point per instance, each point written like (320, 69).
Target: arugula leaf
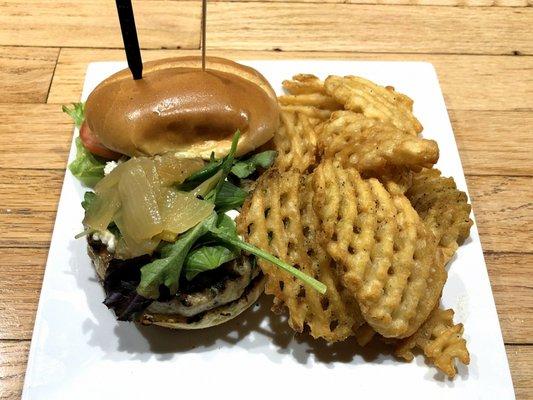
(245, 168)
(227, 164)
(166, 271)
(201, 175)
(88, 198)
(207, 258)
(230, 197)
(232, 239)
(76, 112)
(86, 167)
(226, 225)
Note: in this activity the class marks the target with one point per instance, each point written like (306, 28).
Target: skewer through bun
(178, 107)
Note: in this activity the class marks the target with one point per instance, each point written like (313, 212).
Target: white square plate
(79, 351)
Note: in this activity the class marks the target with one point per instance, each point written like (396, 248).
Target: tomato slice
(91, 143)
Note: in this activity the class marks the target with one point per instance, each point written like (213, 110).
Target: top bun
(178, 107)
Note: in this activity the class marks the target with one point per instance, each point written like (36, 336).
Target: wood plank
(520, 360)
(67, 23)
(26, 73)
(503, 206)
(29, 191)
(27, 229)
(169, 24)
(504, 211)
(14, 356)
(299, 26)
(34, 136)
(512, 286)
(494, 143)
(13, 359)
(22, 272)
(468, 82)
(462, 3)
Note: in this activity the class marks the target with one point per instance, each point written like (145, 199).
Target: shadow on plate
(259, 330)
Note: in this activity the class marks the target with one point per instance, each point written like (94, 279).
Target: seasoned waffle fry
(295, 142)
(307, 95)
(374, 101)
(373, 146)
(304, 84)
(315, 115)
(279, 218)
(443, 207)
(440, 340)
(388, 256)
(317, 100)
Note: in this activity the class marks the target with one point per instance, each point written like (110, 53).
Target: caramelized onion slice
(102, 210)
(181, 211)
(140, 212)
(127, 246)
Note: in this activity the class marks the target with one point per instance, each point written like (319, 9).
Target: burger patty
(223, 286)
(206, 291)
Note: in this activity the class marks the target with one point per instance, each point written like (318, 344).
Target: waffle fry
(304, 84)
(374, 101)
(295, 142)
(307, 96)
(279, 218)
(440, 340)
(317, 100)
(388, 256)
(443, 207)
(373, 146)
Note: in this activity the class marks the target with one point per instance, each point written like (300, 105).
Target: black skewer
(129, 35)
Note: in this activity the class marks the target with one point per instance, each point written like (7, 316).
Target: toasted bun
(178, 107)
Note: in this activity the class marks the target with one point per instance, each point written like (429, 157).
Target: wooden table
(482, 50)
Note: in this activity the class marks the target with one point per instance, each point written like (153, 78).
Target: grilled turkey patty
(206, 291)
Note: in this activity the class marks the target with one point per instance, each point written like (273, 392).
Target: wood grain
(468, 82)
(512, 286)
(29, 191)
(494, 143)
(171, 24)
(13, 358)
(20, 287)
(36, 136)
(14, 355)
(504, 211)
(520, 362)
(454, 3)
(26, 73)
(299, 26)
(94, 23)
(462, 3)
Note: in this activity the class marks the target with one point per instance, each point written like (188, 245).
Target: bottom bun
(213, 317)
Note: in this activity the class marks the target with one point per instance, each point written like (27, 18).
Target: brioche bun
(180, 108)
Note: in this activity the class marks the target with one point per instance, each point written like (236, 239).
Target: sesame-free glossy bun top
(180, 108)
